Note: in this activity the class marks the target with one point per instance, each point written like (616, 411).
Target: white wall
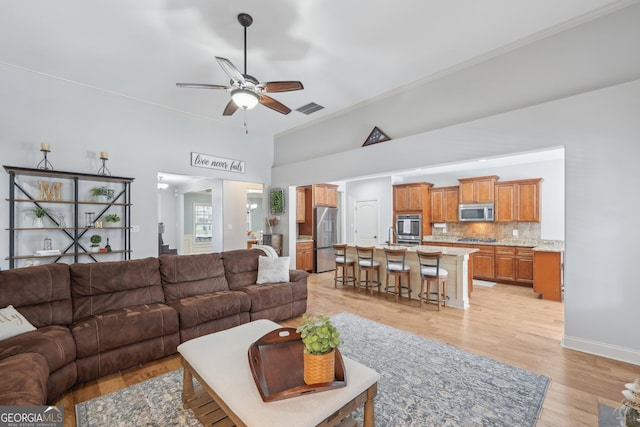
(141, 140)
(591, 77)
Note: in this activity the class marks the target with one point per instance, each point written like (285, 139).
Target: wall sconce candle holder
(103, 170)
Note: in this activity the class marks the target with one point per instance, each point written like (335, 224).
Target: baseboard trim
(609, 351)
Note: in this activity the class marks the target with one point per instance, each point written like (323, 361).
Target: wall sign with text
(218, 163)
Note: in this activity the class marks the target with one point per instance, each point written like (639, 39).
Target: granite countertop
(303, 238)
(542, 245)
(446, 250)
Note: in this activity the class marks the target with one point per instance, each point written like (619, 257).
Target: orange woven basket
(319, 369)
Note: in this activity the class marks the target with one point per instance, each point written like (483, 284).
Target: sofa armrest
(296, 275)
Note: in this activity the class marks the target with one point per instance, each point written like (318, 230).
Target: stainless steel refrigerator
(326, 234)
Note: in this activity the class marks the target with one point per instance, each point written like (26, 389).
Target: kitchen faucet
(392, 230)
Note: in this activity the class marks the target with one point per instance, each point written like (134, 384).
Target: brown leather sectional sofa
(96, 319)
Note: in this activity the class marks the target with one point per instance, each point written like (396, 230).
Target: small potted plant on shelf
(95, 242)
(39, 214)
(112, 219)
(320, 338)
(103, 194)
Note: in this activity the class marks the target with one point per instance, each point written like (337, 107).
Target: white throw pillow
(13, 323)
(273, 270)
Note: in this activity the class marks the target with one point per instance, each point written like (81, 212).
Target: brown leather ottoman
(25, 379)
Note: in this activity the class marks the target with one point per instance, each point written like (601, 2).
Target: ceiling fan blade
(281, 86)
(202, 86)
(230, 108)
(273, 104)
(230, 69)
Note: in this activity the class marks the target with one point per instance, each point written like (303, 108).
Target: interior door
(366, 223)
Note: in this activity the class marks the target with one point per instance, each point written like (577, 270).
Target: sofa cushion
(204, 308)
(13, 323)
(41, 294)
(24, 380)
(272, 270)
(241, 267)
(269, 296)
(122, 327)
(185, 276)
(106, 286)
(55, 343)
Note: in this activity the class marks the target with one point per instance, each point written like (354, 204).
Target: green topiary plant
(95, 240)
(103, 191)
(112, 218)
(39, 212)
(318, 334)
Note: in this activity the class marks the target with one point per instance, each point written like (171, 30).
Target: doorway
(366, 223)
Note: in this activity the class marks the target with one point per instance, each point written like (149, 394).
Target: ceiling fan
(246, 91)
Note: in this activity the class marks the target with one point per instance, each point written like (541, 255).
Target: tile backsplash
(495, 230)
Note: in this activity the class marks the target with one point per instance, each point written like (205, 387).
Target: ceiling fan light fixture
(244, 98)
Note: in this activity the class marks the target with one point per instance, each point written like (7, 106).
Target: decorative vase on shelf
(38, 223)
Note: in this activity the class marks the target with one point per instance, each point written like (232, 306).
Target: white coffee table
(229, 396)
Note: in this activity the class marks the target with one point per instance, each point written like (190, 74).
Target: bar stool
(367, 264)
(430, 271)
(343, 262)
(397, 267)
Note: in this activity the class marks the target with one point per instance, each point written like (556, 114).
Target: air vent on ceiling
(310, 108)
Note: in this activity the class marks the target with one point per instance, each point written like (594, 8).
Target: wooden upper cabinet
(300, 205)
(444, 204)
(529, 205)
(325, 195)
(505, 202)
(518, 201)
(477, 190)
(411, 197)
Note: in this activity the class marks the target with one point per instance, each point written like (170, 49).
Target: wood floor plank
(506, 323)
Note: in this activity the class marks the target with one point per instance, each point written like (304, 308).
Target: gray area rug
(423, 383)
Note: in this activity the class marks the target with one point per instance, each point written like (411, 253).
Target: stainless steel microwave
(480, 212)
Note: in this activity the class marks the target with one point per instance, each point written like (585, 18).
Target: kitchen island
(454, 260)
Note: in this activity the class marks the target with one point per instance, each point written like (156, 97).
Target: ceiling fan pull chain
(246, 128)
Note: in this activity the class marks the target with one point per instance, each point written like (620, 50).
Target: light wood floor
(506, 323)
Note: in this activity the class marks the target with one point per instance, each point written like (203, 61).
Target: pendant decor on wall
(276, 201)
(376, 136)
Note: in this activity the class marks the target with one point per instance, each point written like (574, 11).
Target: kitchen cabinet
(477, 190)
(325, 195)
(414, 198)
(484, 262)
(304, 256)
(301, 200)
(524, 265)
(72, 217)
(444, 204)
(514, 264)
(518, 201)
(547, 274)
(505, 259)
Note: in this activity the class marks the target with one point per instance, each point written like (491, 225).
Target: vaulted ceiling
(344, 52)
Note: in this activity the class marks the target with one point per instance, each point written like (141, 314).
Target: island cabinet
(477, 190)
(518, 201)
(444, 204)
(304, 256)
(325, 195)
(547, 274)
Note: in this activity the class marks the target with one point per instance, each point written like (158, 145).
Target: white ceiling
(345, 53)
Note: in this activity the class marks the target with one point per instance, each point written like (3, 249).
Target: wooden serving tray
(277, 365)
